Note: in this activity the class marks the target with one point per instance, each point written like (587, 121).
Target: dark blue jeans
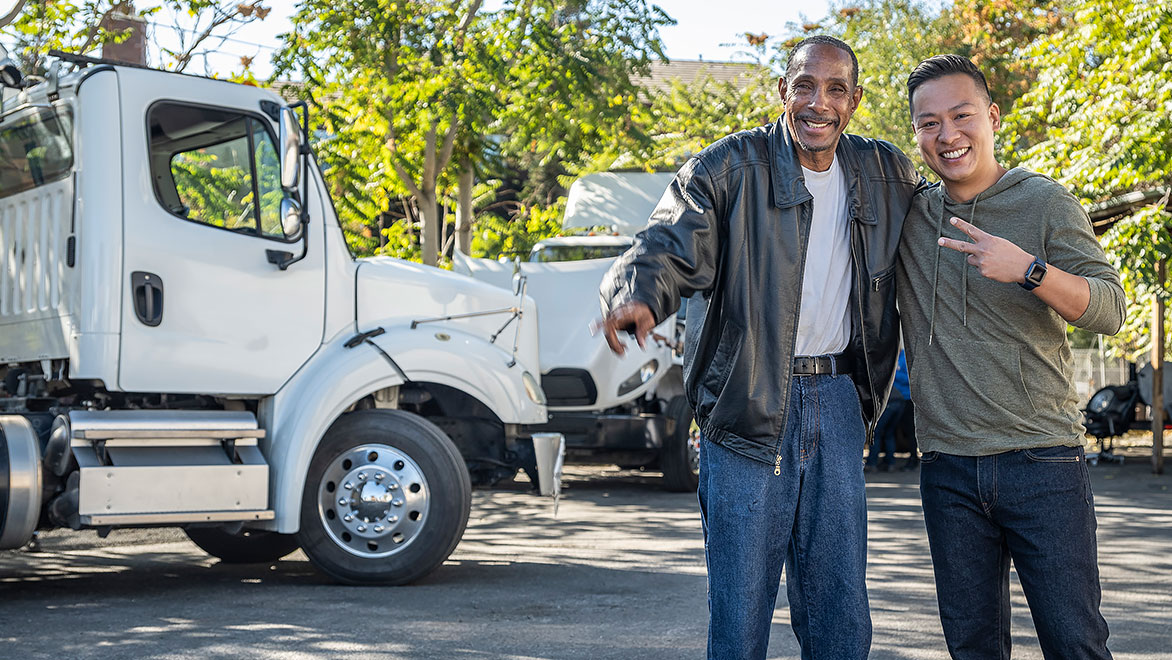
(1035, 507)
(811, 518)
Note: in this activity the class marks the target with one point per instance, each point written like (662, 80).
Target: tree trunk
(429, 243)
(464, 208)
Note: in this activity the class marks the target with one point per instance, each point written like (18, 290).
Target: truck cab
(186, 340)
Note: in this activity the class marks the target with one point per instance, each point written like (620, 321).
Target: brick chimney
(133, 49)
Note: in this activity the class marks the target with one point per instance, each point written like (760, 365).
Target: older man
(786, 235)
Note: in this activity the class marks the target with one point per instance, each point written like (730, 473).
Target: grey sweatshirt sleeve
(676, 255)
(1071, 245)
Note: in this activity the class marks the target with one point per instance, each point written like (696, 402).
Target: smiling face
(820, 97)
(954, 124)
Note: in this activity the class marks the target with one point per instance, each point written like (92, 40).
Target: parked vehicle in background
(628, 410)
(580, 248)
(186, 341)
(1111, 412)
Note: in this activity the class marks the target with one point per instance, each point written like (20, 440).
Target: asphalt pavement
(618, 573)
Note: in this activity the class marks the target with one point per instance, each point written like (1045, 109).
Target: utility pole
(1158, 340)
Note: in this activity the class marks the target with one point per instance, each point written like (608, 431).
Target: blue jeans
(811, 518)
(1035, 507)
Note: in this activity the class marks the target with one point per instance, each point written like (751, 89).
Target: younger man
(993, 265)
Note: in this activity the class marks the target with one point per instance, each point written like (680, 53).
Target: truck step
(146, 467)
(148, 519)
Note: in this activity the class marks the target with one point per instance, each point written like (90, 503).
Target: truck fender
(337, 377)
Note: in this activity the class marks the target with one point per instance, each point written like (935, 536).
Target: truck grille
(569, 387)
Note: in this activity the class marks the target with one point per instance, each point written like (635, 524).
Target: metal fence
(1093, 370)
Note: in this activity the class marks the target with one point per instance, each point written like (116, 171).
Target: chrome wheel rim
(373, 500)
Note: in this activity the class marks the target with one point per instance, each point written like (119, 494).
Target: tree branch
(449, 144)
(429, 168)
(405, 177)
(462, 31)
(221, 17)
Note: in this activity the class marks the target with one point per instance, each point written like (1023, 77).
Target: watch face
(1036, 272)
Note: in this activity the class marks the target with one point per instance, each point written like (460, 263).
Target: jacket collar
(789, 187)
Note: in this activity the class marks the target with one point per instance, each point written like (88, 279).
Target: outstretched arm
(675, 256)
(1001, 260)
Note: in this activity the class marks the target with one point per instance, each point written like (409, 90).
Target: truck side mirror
(518, 278)
(291, 218)
(290, 138)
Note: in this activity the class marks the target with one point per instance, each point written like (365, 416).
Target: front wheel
(386, 499)
(680, 460)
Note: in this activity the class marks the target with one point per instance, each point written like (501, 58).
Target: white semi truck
(628, 410)
(185, 339)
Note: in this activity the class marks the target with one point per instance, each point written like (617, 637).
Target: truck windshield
(550, 253)
(35, 149)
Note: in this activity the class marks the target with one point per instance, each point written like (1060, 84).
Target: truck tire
(680, 457)
(248, 546)
(386, 500)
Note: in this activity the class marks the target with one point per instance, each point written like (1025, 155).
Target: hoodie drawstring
(964, 281)
(936, 275)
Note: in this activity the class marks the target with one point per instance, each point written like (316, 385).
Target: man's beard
(802, 143)
(811, 148)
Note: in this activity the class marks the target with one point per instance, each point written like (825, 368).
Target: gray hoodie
(990, 367)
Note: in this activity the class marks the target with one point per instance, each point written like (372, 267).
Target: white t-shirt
(824, 323)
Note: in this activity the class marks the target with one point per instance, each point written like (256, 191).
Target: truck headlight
(533, 388)
(641, 376)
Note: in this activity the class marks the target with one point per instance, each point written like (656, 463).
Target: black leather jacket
(732, 231)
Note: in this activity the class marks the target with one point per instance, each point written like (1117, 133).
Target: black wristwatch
(1034, 275)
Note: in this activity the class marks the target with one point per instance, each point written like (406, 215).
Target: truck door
(203, 309)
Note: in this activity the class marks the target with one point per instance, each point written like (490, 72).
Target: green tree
(890, 37)
(685, 118)
(418, 95)
(996, 37)
(1102, 106)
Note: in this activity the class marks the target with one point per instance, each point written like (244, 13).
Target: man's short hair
(939, 66)
(828, 41)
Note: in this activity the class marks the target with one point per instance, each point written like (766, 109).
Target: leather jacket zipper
(863, 332)
(777, 466)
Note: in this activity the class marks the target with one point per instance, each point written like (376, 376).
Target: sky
(701, 32)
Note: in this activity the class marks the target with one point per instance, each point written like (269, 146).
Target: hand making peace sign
(995, 258)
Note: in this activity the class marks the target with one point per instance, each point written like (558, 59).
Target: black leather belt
(822, 364)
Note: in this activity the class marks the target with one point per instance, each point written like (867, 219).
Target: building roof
(688, 71)
(1106, 213)
(659, 79)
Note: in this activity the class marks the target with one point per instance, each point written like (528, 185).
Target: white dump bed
(622, 201)
(34, 275)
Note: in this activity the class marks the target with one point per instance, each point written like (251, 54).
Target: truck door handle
(148, 297)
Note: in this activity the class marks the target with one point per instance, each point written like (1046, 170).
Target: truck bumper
(590, 432)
